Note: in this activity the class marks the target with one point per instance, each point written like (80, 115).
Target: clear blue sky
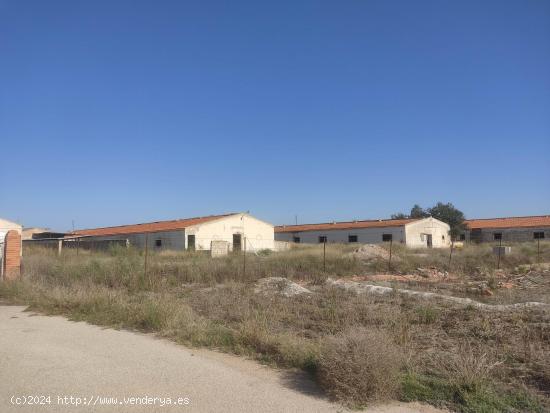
(118, 112)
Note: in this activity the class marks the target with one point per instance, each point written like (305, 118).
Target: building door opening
(237, 244)
(429, 240)
(191, 242)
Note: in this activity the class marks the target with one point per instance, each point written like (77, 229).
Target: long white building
(426, 232)
(240, 230)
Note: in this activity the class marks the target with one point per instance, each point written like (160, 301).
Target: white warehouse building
(418, 233)
(240, 231)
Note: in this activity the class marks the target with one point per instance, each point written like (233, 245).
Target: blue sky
(117, 112)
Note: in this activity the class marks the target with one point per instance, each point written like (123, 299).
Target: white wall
(6, 226)
(258, 234)
(415, 233)
(409, 234)
(364, 235)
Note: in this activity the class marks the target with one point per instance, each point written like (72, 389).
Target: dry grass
(460, 358)
(360, 366)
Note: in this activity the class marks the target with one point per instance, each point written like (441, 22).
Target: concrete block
(502, 250)
(219, 248)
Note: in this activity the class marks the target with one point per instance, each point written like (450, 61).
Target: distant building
(426, 232)
(239, 230)
(29, 233)
(511, 229)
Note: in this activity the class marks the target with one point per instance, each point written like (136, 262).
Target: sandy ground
(103, 368)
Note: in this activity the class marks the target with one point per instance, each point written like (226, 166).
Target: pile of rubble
(369, 252)
(365, 288)
(432, 272)
(279, 286)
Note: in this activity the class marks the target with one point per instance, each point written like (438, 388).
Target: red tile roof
(510, 222)
(173, 225)
(374, 223)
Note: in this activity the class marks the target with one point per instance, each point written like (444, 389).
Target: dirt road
(103, 369)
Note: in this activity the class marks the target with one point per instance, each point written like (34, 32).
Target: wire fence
(249, 256)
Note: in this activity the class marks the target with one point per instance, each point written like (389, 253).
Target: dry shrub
(360, 366)
(468, 367)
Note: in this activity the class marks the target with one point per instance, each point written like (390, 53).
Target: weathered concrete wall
(258, 234)
(169, 240)
(416, 233)
(508, 234)
(364, 235)
(412, 234)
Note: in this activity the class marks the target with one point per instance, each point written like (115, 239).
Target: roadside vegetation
(361, 348)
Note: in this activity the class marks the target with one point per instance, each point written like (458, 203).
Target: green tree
(449, 214)
(399, 215)
(418, 212)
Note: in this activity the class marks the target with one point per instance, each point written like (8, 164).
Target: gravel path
(41, 356)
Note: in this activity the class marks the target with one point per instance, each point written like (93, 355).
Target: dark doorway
(237, 244)
(429, 240)
(191, 242)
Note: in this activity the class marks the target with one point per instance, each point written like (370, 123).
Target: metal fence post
(244, 256)
(389, 261)
(499, 251)
(146, 253)
(325, 255)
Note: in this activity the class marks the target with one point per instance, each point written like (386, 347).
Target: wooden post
(451, 253)
(538, 250)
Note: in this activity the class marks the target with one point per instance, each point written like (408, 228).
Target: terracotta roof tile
(510, 222)
(374, 223)
(173, 225)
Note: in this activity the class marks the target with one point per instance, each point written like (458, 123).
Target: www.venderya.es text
(96, 400)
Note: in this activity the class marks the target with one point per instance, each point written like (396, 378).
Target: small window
(352, 238)
(497, 236)
(538, 235)
(158, 243)
(191, 242)
(296, 240)
(387, 237)
(443, 238)
(322, 239)
(462, 237)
